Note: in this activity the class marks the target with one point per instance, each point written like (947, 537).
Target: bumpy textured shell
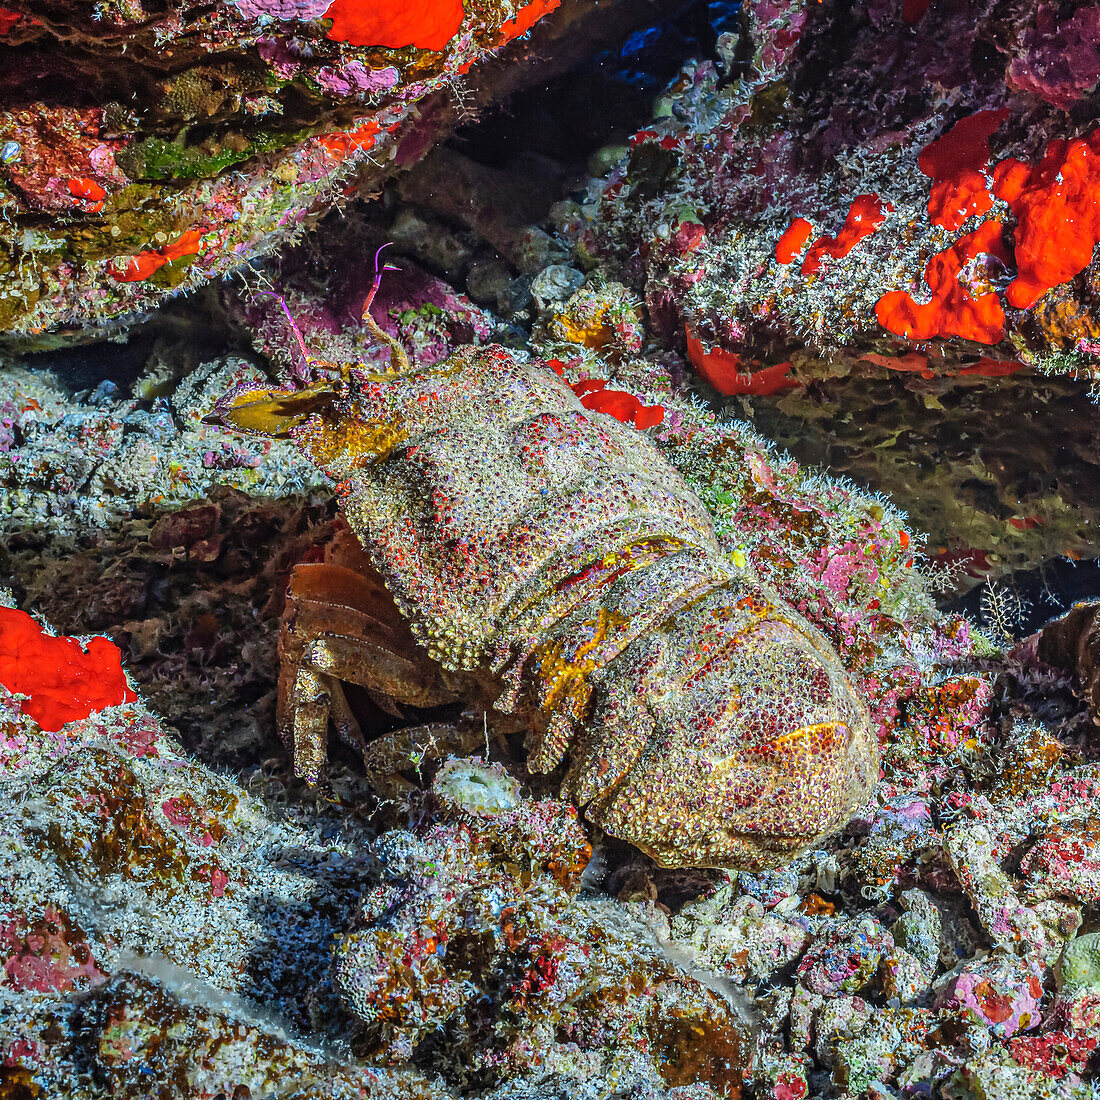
(704, 720)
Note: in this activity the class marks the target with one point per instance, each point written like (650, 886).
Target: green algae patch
(156, 159)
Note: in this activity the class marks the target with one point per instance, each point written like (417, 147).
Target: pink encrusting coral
(64, 679)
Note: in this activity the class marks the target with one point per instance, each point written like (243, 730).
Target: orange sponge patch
(723, 370)
(394, 24)
(953, 310)
(526, 18)
(144, 264)
(955, 162)
(1058, 217)
(793, 240)
(617, 403)
(64, 680)
(865, 215)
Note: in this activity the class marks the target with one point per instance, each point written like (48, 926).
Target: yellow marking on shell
(598, 574)
(565, 675)
(806, 740)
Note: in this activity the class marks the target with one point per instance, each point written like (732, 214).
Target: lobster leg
(342, 626)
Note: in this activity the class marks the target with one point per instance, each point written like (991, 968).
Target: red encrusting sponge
(723, 370)
(617, 403)
(1057, 213)
(64, 680)
(793, 240)
(953, 310)
(955, 163)
(395, 24)
(865, 215)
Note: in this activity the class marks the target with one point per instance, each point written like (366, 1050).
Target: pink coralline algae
(356, 77)
(1059, 59)
(1004, 993)
(286, 10)
(46, 954)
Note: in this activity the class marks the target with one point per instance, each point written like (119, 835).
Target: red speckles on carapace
(89, 193)
(526, 18)
(8, 19)
(955, 163)
(793, 240)
(953, 310)
(64, 680)
(722, 369)
(394, 24)
(1058, 217)
(144, 264)
(865, 215)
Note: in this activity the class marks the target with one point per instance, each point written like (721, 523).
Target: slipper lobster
(517, 544)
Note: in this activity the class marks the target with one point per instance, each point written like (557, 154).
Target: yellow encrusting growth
(348, 443)
(564, 674)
